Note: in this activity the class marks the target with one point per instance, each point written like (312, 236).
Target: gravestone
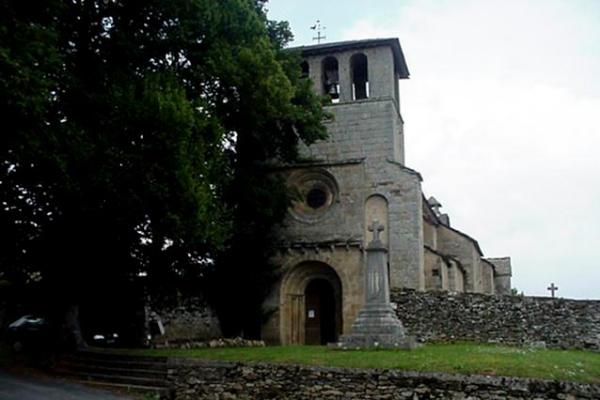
(377, 325)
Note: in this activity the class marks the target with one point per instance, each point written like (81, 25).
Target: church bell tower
(353, 177)
(361, 79)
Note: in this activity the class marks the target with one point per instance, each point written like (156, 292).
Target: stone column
(377, 324)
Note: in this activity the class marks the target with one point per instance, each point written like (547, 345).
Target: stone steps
(131, 373)
(126, 362)
(118, 357)
(112, 370)
(162, 393)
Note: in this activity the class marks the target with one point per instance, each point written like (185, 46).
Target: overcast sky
(501, 118)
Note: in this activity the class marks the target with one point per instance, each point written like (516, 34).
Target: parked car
(28, 331)
(105, 339)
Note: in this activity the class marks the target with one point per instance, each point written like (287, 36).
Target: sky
(502, 119)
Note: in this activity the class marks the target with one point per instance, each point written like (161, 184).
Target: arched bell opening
(331, 79)
(360, 76)
(304, 69)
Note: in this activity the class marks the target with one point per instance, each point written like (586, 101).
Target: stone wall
(518, 320)
(487, 276)
(191, 319)
(456, 277)
(463, 248)
(197, 379)
(502, 274)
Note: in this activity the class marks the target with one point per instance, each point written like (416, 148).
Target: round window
(317, 192)
(316, 198)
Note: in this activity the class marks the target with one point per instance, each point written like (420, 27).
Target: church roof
(428, 212)
(491, 264)
(469, 238)
(446, 257)
(326, 48)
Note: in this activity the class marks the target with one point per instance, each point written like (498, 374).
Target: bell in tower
(331, 80)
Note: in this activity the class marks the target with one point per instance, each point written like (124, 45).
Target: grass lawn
(568, 365)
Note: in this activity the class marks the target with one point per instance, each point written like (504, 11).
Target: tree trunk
(74, 337)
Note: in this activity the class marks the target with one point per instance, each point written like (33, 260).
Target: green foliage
(270, 130)
(463, 358)
(136, 140)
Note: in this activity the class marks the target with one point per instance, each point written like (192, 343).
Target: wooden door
(320, 315)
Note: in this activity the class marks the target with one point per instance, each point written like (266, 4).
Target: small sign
(311, 314)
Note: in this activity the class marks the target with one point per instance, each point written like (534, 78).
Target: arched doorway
(311, 304)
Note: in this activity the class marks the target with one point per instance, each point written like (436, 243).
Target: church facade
(353, 178)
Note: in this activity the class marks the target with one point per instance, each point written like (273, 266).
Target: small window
(316, 198)
(360, 76)
(305, 69)
(331, 80)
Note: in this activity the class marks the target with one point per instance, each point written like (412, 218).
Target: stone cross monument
(377, 324)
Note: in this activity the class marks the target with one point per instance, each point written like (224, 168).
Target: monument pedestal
(377, 325)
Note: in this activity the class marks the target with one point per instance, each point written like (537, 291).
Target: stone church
(357, 176)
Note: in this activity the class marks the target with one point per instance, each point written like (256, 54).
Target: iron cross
(552, 288)
(376, 228)
(317, 27)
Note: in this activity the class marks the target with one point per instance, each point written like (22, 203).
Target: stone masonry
(354, 176)
(214, 380)
(191, 319)
(516, 320)
(377, 325)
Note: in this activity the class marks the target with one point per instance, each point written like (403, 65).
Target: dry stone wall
(196, 379)
(190, 320)
(516, 320)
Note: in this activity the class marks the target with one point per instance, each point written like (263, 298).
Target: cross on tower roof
(376, 228)
(552, 288)
(317, 27)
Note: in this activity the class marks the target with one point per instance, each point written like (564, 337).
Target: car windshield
(27, 320)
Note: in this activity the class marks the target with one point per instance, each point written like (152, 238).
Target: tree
(258, 197)
(139, 134)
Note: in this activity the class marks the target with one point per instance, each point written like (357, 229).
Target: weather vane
(317, 27)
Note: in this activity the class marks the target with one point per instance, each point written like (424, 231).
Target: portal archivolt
(311, 304)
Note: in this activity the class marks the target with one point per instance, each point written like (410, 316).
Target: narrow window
(360, 76)
(305, 69)
(331, 81)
